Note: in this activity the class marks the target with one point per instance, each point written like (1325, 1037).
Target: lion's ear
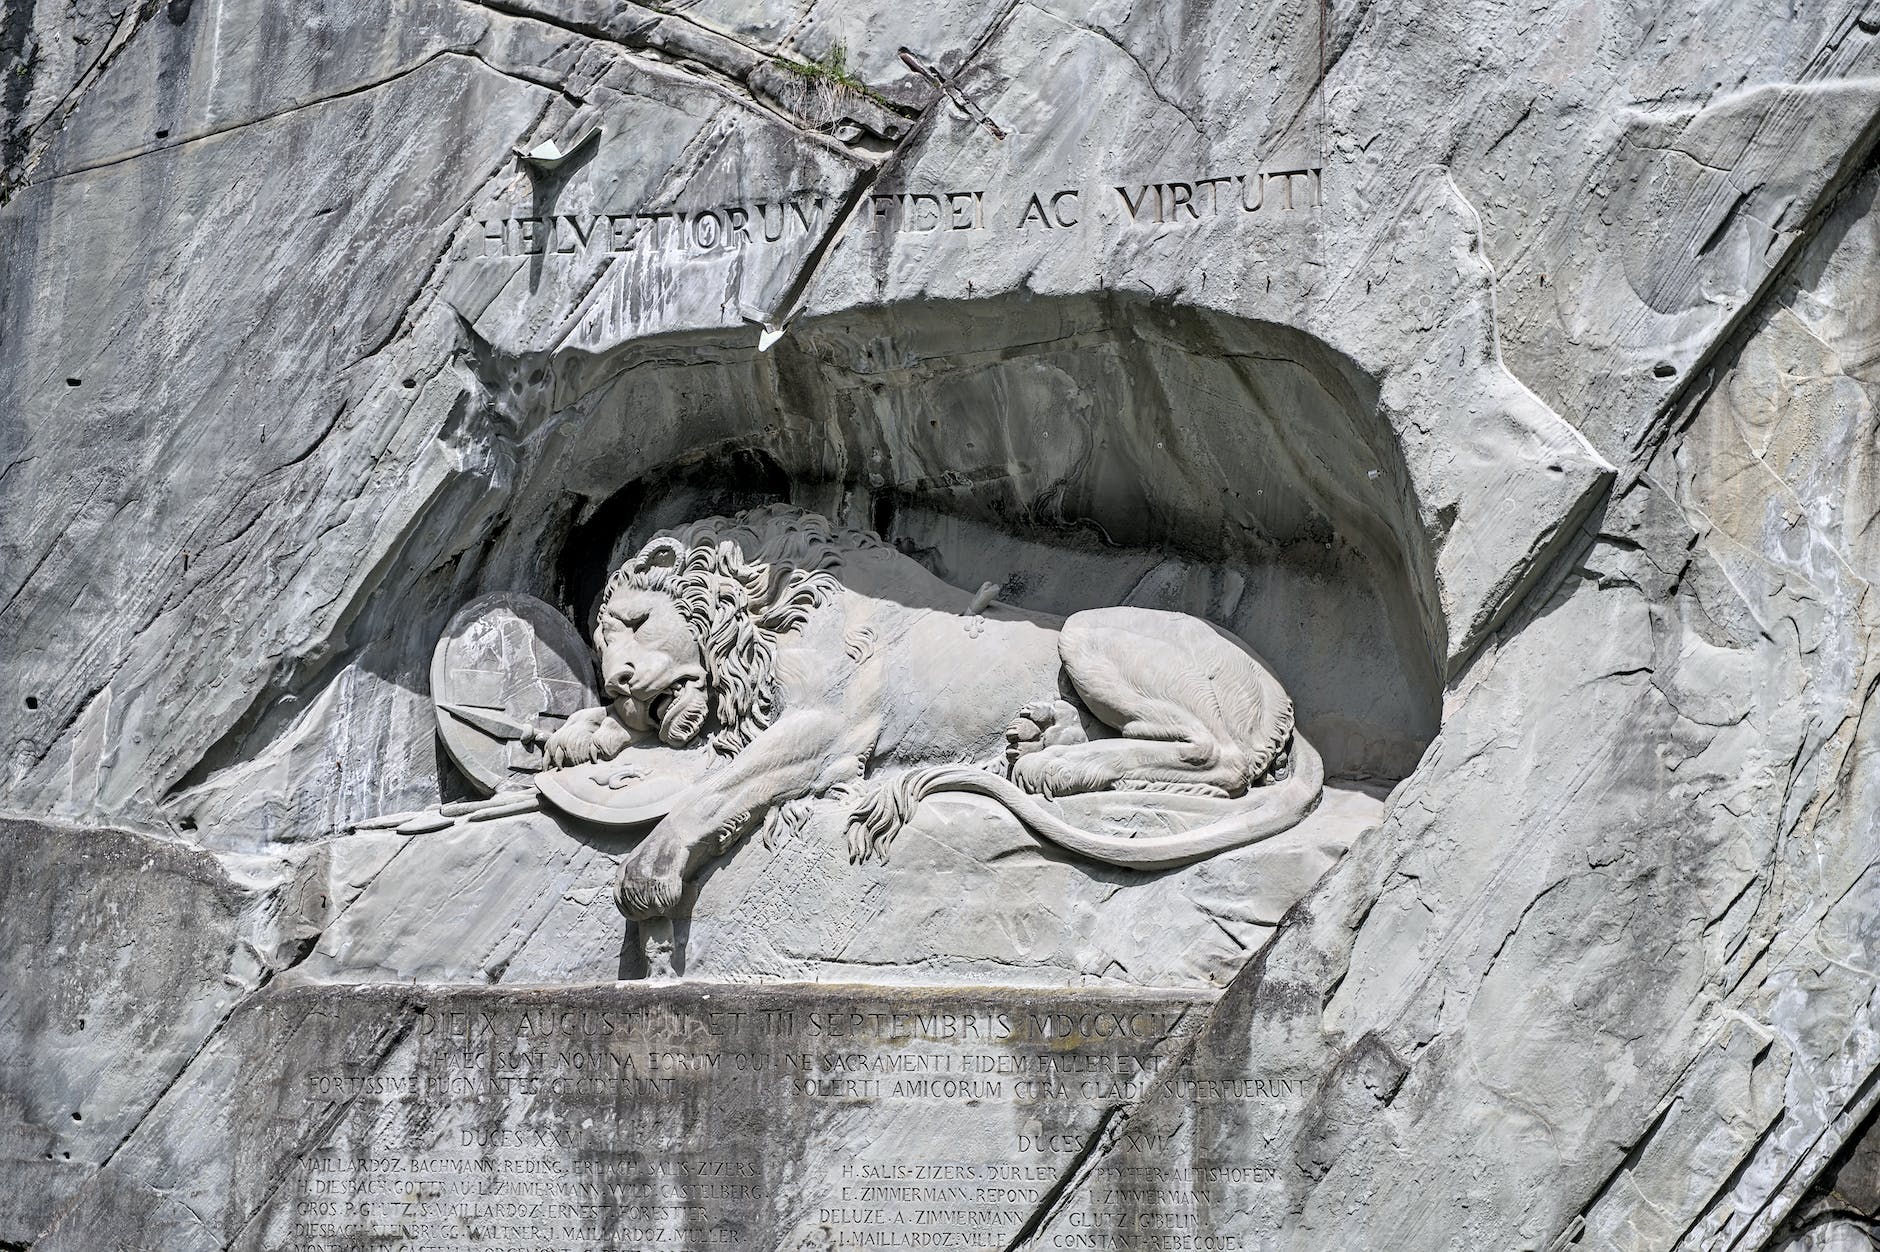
(660, 554)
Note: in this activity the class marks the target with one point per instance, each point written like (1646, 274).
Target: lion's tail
(1268, 811)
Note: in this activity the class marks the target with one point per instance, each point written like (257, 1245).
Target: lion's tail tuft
(883, 810)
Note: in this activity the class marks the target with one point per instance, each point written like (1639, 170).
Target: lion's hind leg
(1147, 675)
(1126, 764)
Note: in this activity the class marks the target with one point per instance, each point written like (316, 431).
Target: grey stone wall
(1505, 371)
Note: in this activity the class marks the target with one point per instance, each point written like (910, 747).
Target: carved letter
(1214, 194)
(959, 202)
(500, 236)
(622, 228)
(1289, 175)
(1058, 212)
(581, 237)
(1135, 206)
(531, 229)
(705, 240)
(1259, 182)
(913, 212)
(1178, 198)
(764, 218)
(1031, 208)
(737, 219)
(810, 220)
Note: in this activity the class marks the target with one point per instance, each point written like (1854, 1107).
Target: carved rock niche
(1077, 452)
(1049, 455)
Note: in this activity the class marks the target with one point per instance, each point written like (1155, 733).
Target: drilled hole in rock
(77, 1116)
(1664, 369)
(74, 382)
(409, 383)
(163, 134)
(32, 702)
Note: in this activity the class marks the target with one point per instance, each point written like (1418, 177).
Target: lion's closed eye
(613, 623)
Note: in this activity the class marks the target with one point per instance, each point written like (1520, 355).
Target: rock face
(1497, 381)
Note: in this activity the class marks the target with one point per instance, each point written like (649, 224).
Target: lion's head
(688, 627)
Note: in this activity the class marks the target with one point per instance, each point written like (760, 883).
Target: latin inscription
(730, 1120)
(1172, 203)
(679, 232)
(666, 232)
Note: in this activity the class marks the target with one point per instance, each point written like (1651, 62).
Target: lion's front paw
(572, 744)
(645, 898)
(590, 735)
(641, 894)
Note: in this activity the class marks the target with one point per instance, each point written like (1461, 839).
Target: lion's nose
(620, 680)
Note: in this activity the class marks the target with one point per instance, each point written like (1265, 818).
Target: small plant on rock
(829, 85)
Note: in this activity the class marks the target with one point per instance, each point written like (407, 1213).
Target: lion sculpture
(817, 660)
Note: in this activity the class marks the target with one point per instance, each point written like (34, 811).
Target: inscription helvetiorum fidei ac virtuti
(1016, 626)
(690, 232)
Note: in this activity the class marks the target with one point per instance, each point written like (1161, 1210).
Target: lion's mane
(742, 583)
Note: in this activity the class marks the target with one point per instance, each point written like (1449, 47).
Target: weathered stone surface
(121, 945)
(1502, 373)
(607, 1115)
(965, 898)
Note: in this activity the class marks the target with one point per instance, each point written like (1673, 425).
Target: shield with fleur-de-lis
(507, 672)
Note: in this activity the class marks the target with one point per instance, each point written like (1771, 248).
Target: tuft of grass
(831, 70)
(829, 86)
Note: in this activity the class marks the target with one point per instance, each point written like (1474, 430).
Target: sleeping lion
(816, 659)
